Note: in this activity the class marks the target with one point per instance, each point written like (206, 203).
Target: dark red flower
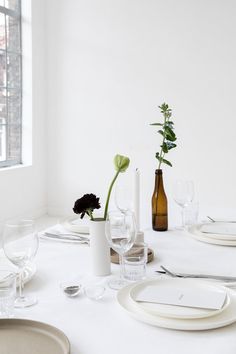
(86, 205)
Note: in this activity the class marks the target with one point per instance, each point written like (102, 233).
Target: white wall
(23, 189)
(109, 65)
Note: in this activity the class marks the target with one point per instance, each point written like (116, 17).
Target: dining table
(103, 326)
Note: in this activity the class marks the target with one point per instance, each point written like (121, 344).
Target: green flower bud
(121, 163)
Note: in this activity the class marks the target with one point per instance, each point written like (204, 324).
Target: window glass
(10, 83)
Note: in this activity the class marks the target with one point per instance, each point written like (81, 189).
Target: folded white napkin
(183, 296)
(57, 229)
(58, 232)
(220, 228)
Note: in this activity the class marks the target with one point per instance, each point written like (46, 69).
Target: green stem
(164, 138)
(90, 213)
(109, 194)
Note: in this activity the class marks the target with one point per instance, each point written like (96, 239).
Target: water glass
(20, 244)
(183, 194)
(134, 262)
(190, 214)
(7, 293)
(120, 229)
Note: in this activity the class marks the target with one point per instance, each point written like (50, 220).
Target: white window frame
(12, 162)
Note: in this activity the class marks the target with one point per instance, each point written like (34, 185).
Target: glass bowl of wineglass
(20, 245)
(123, 194)
(183, 194)
(120, 231)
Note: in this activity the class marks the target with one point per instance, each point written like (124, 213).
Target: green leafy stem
(167, 133)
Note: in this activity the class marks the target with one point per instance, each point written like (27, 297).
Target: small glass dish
(71, 289)
(94, 291)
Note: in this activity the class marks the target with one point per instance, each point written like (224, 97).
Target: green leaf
(167, 162)
(169, 131)
(171, 138)
(161, 132)
(170, 145)
(158, 157)
(165, 148)
(170, 135)
(169, 124)
(160, 124)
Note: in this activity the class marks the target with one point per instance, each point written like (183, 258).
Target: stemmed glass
(20, 244)
(183, 194)
(123, 195)
(120, 231)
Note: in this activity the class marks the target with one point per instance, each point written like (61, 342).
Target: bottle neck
(158, 180)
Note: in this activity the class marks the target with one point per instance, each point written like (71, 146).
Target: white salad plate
(196, 233)
(219, 230)
(75, 224)
(224, 318)
(173, 311)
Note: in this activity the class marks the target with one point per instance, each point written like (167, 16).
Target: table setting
(97, 278)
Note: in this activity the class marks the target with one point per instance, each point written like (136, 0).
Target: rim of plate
(188, 312)
(198, 235)
(225, 237)
(82, 229)
(224, 318)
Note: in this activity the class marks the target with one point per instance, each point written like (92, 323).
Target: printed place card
(180, 296)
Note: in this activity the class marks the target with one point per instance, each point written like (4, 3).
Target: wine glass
(183, 194)
(123, 195)
(120, 229)
(20, 244)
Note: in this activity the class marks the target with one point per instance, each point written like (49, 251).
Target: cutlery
(70, 237)
(229, 221)
(65, 234)
(203, 276)
(210, 219)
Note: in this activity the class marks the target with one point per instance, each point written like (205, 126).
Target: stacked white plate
(217, 233)
(76, 224)
(178, 317)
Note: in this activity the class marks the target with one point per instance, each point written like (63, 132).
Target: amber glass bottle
(159, 205)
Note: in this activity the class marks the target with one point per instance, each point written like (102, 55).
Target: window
(10, 83)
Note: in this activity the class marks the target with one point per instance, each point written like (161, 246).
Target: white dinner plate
(195, 232)
(222, 319)
(75, 224)
(173, 311)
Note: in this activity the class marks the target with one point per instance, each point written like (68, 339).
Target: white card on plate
(183, 296)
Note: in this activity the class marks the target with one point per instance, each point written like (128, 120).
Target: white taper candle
(137, 197)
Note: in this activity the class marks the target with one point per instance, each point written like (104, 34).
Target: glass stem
(21, 284)
(121, 267)
(183, 221)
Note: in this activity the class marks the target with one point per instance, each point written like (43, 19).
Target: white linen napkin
(62, 232)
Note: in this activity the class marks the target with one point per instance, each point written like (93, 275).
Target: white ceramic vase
(99, 248)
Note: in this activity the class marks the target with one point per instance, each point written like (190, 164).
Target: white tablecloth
(103, 327)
